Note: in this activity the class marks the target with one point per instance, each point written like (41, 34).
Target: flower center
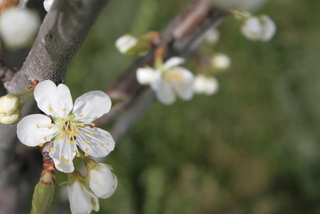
(172, 75)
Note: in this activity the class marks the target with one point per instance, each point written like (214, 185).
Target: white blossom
(47, 4)
(82, 200)
(220, 61)
(18, 27)
(205, 85)
(168, 81)
(102, 181)
(259, 28)
(10, 118)
(68, 125)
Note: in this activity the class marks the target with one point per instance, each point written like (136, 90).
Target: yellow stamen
(62, 137)
(82, 125)
(45, 138)
(40, 144)
(51, 149)
(93, 203)
(49, 127)
(50, 109)
(86, 141)
(92, 124)
(67, 160)
(87, 149)
(81, 115)
(101, 144)
(173, 75)
(92, 133)
(78, 155)
(62, 157)
(37, 126)
(59, 165)
(64, 109)
(86, 154)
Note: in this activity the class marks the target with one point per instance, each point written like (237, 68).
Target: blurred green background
(254, 147)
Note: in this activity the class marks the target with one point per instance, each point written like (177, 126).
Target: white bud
(47, 4)
(212, 36)
(125, 43)
(18, 27)
(259, 28)
(102, 181)
(220, 61)
(10, 118)
(9, 104)
(205, 85)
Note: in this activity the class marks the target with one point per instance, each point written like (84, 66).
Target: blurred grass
(251, 148)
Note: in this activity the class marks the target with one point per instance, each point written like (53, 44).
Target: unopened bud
(10, 118)
(9, 104)
(220, 61)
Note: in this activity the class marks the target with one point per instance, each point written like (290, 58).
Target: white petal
(95, 141)
(53, 100)
(81, 199)
(212, 36)
(36, 129)
(205, 85)
(252, 28)
(268, 28)
(91, 106)
(163, 90)
(172, 62)
(102, 182)
(145, 75)
(125, 43)
(47, 4)
(220, 61)
(183, 88)
(63, 154)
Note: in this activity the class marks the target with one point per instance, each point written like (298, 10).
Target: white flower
(259, 28)
(212, 36)
(125, 43)
(102, 181)
(220, 61)
(9, 104)
(205, 85)
(168, 81)
(18, 27)
(82, 200)
(68, 126)
(47, 4)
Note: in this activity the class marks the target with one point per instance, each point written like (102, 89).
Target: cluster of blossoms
(18, 24)
(69, 127)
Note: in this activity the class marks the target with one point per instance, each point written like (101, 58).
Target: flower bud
(9, 104)
(10, 118)
(18, 27)
(102, 181)
(47, 4)
(220, 61)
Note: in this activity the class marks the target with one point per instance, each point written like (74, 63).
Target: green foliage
(251, 148)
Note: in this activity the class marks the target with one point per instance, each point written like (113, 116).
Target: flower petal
(95, 142)
(36, 129)
(183, 88)
(173, 61)
(269, 28)
(145, 75)
(53, 100)
(251, 28)
(62, 154)
(91, 106)
(82, 201)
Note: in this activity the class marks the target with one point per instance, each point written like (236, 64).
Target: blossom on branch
(47, 4)
(67, 125)
(168, 80)
(259, 28)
